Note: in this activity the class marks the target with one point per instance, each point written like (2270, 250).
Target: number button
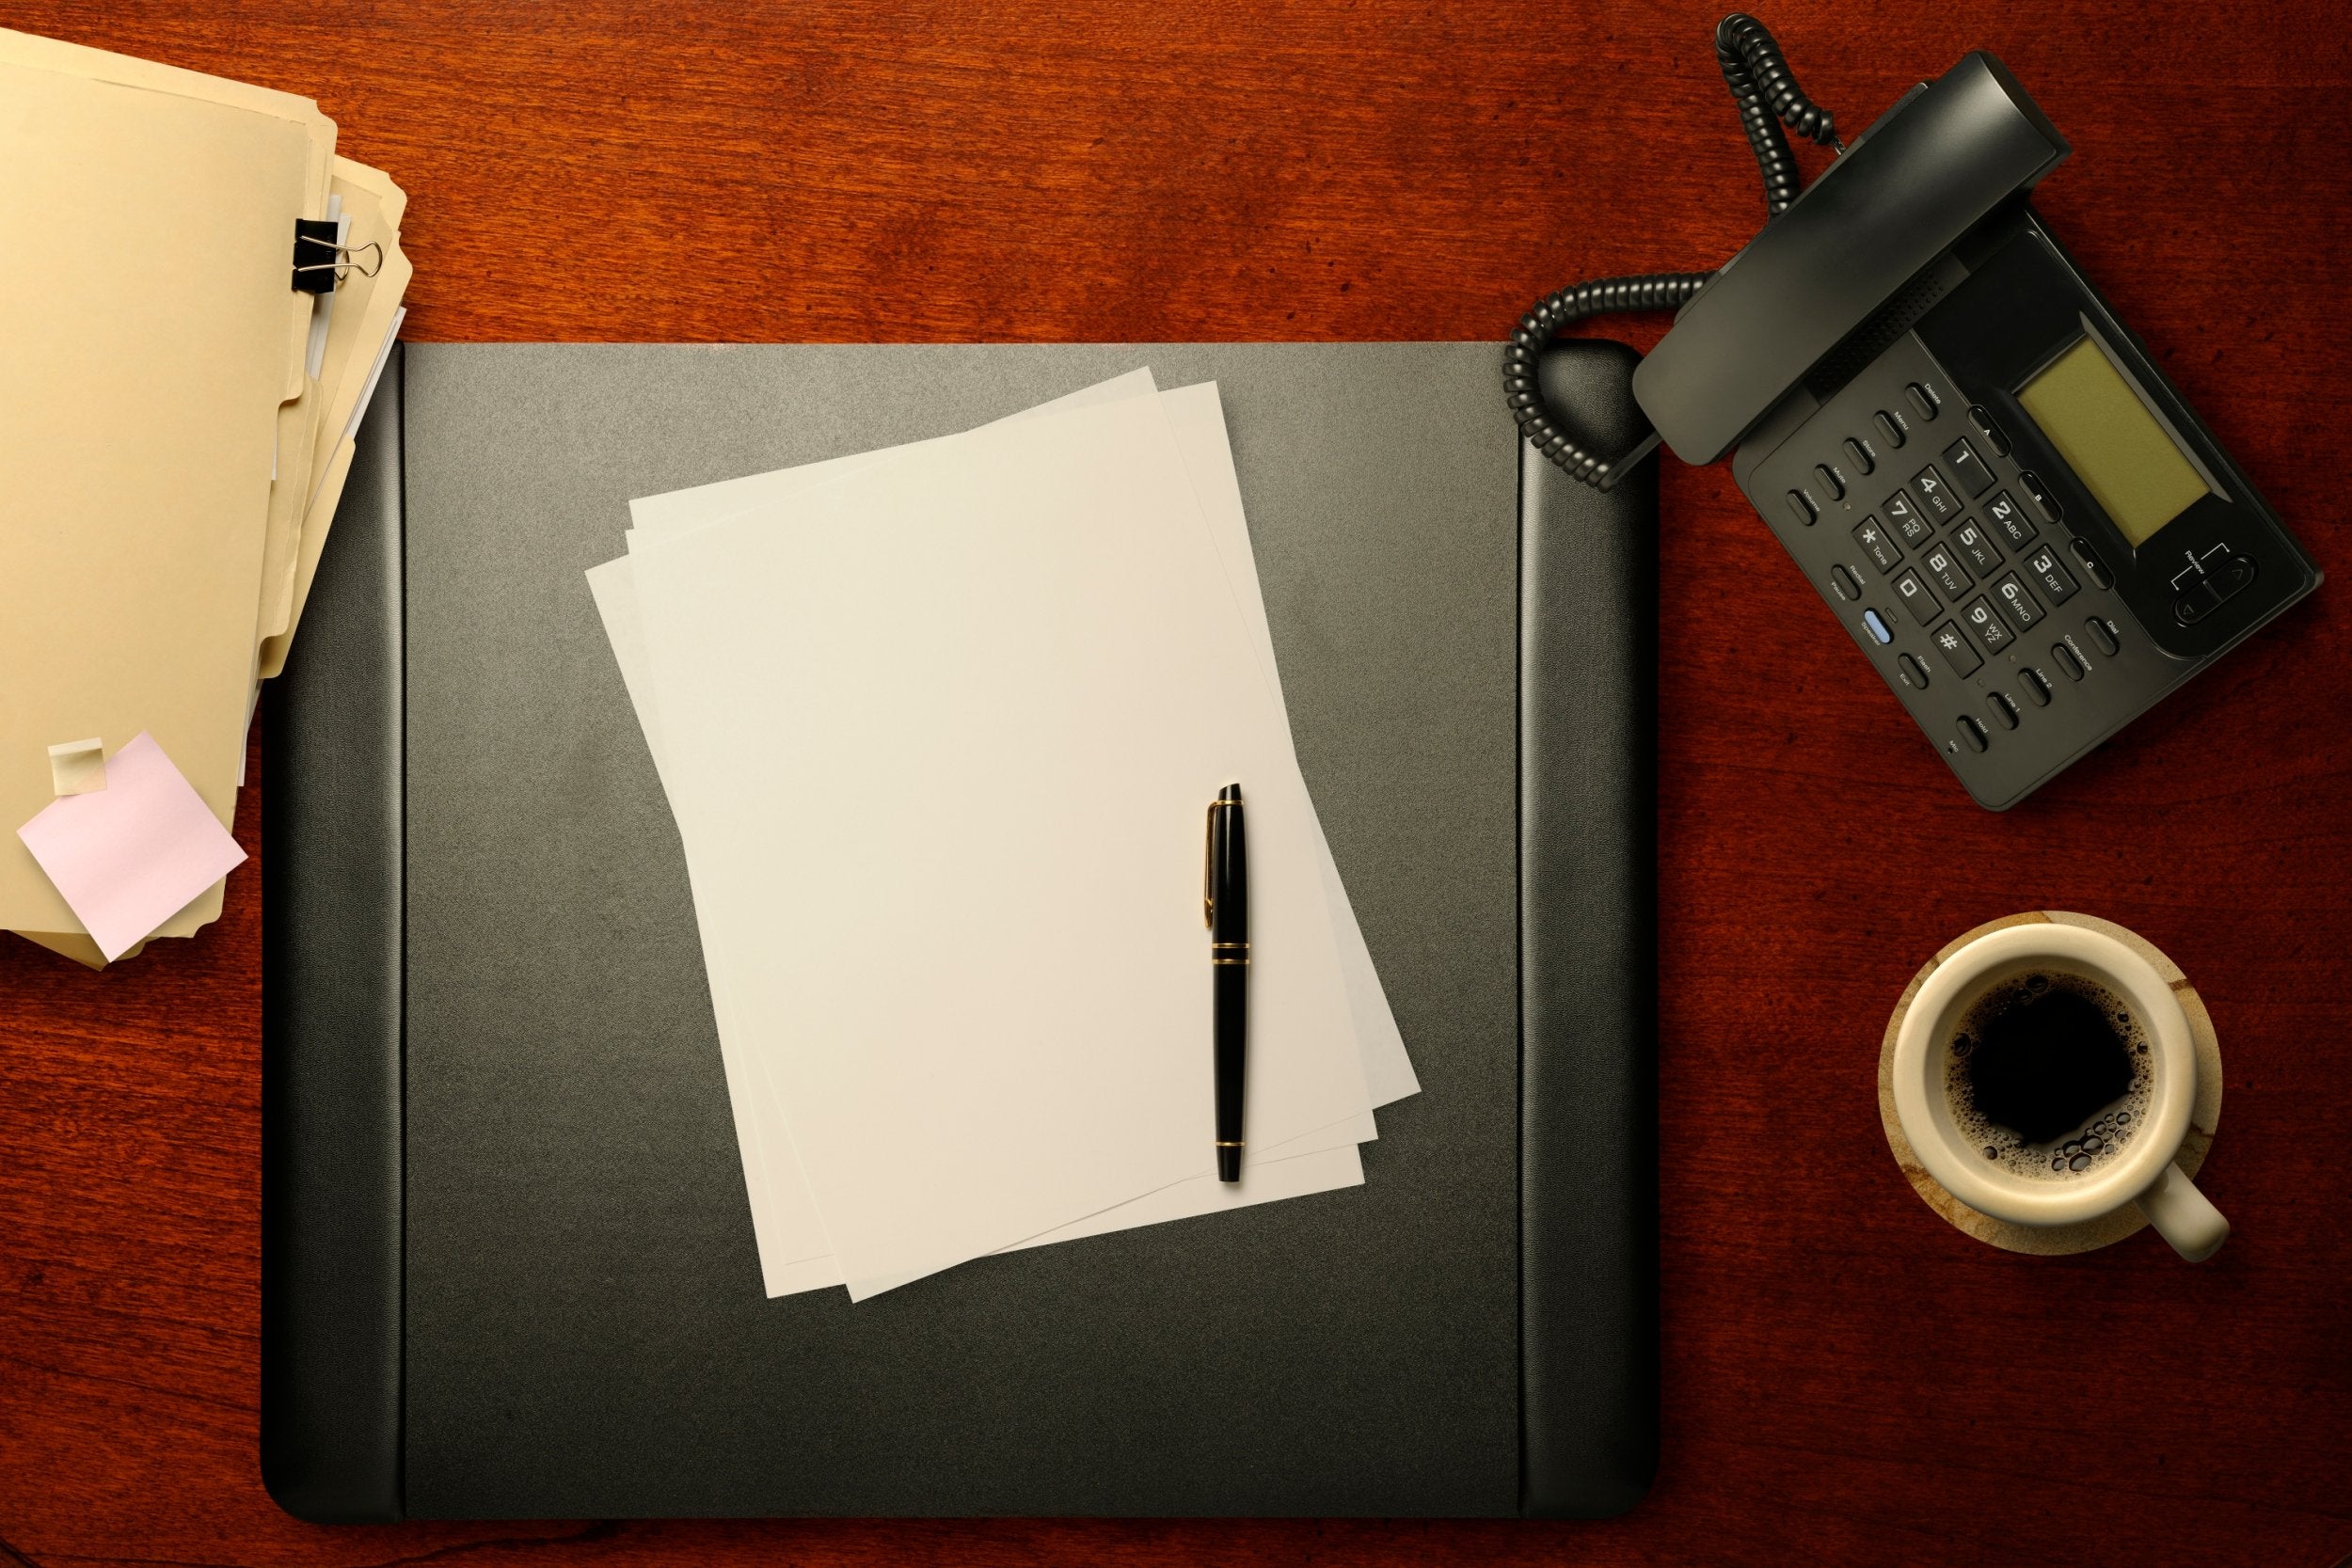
(1934, 495)
(1979, 550)
(1947, 572)
(2017, 602)
(1991, 632)
(1917, 598)
(2011, 519)
(1968, 467)
(1956, 650)
(1872, 536)
(1904, 518)
(2056, 581)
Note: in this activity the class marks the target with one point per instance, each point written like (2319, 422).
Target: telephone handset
(2015, 515)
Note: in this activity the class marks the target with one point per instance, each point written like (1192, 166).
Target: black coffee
(2049, 1074)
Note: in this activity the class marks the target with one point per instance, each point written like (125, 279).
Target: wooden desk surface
(1847, 1379)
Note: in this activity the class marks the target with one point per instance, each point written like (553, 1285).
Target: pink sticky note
(133, 854)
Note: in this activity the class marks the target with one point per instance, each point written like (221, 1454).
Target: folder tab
(78, 766)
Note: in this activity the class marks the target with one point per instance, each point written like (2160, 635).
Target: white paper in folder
(1176, 595)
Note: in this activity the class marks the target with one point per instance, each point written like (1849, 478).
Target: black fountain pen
(1225, 905)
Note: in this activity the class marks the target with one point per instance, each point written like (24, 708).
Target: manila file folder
(146, 387)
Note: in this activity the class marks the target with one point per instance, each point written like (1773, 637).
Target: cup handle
(2184, 1216)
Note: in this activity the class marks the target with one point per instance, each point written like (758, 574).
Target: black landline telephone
(2010, 510)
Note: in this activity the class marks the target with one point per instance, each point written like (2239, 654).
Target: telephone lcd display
(2125, 458)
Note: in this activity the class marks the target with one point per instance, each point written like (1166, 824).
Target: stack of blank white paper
(940, 726)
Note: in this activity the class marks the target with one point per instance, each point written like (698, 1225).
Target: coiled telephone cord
(1768, 97)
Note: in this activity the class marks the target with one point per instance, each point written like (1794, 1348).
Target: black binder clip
(321, 258)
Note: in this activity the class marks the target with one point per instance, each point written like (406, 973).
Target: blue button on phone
(1877, 628)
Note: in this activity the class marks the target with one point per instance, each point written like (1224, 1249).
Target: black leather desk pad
(580, 1329)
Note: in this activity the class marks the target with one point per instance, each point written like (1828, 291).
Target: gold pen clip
(1208, 867)
(1208, 864)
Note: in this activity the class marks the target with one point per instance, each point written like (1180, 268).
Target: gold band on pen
(1236, 964)
(1242, 945)
(1222, 1143)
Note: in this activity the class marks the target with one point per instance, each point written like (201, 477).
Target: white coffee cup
(2142, 1171)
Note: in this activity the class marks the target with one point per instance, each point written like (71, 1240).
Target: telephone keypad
(1934, 495)
(1976, 547)
(1876, 543)
(1947, 572)
(1904, 518)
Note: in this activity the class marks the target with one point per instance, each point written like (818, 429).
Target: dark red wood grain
(1847, 1379)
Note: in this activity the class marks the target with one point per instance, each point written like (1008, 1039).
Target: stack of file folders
(199, 297)
(939, 726)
